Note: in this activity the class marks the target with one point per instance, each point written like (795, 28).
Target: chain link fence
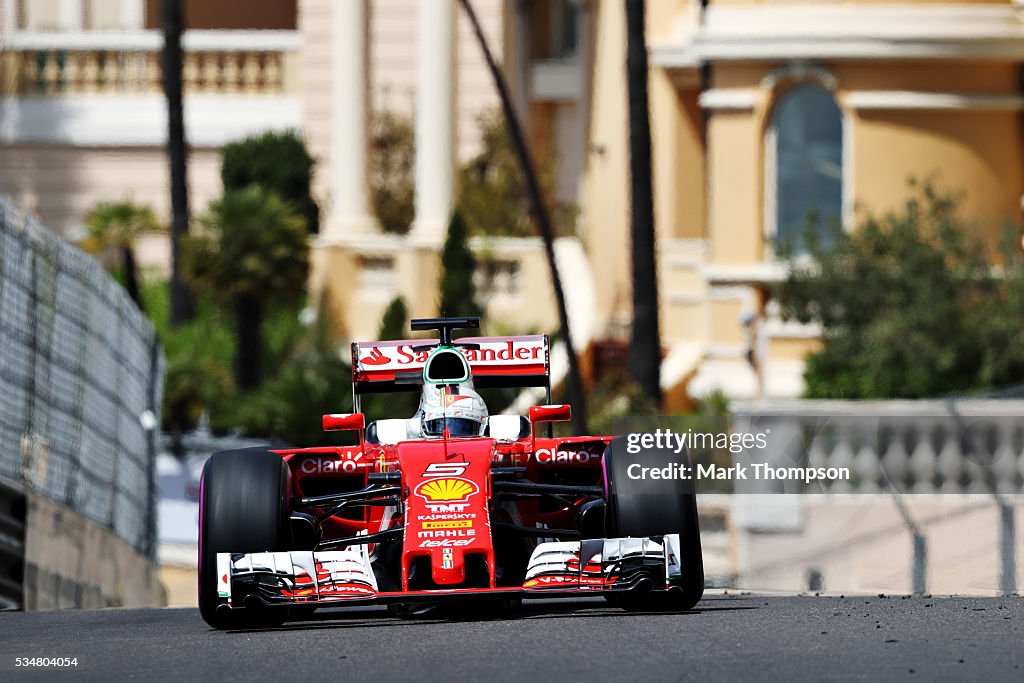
(81, 373)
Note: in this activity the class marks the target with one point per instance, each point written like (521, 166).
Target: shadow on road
(346, 618)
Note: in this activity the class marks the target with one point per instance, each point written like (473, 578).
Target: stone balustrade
(921, 447)
(214, 62)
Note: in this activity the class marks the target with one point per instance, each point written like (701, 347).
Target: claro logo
(548, 456)
(331, 465)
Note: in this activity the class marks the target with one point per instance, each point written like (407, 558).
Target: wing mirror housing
(344, 422)
(553, 413)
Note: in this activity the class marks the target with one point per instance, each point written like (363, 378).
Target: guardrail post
(152, 427)
(1007, 531)
(920, 563)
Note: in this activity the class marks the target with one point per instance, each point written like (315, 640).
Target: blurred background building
(83, 118)
(763, 111)
(760, 112)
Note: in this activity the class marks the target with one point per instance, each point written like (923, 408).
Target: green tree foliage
(280, 163)
(118, 226)
(392, 172)
(199, 355)
(458, 268)
(616, 396)
(312, 380)
(911, 305)
(394, 325)
(492, 192)
(252, 255)
(305, 374)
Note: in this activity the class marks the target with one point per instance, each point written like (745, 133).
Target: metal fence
(81, 375)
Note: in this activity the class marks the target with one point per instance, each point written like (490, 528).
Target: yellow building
(444, 86)
(761, 111)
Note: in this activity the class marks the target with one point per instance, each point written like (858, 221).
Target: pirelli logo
(453, 524)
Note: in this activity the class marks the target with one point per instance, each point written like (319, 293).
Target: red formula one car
(451, 504)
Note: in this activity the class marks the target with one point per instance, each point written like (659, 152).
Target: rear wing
(384, 366)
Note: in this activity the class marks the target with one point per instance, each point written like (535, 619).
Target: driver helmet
(457, 405)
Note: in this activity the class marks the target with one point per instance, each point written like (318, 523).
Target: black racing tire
(640, 508)
(243, 509)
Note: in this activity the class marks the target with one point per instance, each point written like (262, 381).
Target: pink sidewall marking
(202, 501)
(604, 475)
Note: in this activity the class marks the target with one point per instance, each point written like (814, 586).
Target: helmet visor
(457, 426)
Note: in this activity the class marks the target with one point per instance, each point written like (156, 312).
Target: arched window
(805, 165)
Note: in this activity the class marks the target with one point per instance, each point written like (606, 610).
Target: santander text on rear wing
(381, 366)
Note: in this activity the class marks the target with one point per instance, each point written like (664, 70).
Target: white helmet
(456, 405)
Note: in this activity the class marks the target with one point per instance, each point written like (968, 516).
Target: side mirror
(558, 413)
(338, 422)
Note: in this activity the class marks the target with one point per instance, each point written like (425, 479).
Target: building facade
(83, 120)
(761, 111)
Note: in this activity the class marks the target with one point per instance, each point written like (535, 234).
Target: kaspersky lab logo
(449, 494)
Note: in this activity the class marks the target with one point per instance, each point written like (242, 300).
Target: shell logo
(446, 490)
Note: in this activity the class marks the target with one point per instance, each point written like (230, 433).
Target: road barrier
(82, 375)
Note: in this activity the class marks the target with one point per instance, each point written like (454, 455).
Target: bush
(912, 305)
(394, 325)
(312, 380)
(615, 396)
(199, 357)
(458, 267)
(392, 172)
(306, 377)
(280, 163)
(492, 190)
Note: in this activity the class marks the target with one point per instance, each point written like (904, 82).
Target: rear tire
(644, 507)
(243, 509)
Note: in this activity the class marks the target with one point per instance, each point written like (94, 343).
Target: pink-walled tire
(653, 508)
(243, 509)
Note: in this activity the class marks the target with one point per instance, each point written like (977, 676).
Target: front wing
(298, 578)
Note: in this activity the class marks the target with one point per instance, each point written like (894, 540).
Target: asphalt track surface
(727, 637)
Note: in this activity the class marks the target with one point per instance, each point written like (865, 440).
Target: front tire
(243, 509)
(641, 507)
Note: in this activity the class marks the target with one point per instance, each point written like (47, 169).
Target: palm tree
(252, 254)
(118, 225)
